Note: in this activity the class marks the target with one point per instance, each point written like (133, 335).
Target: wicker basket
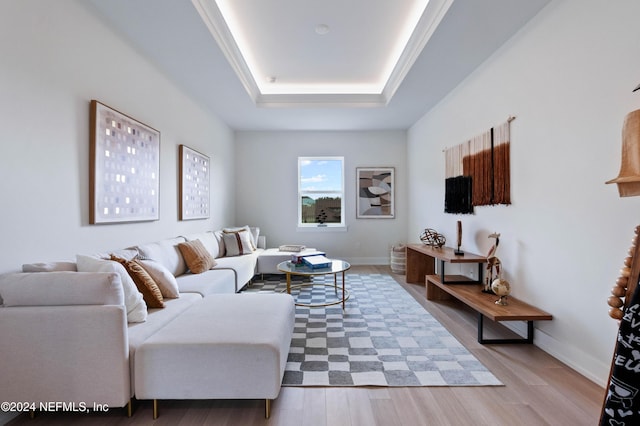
(398, 259)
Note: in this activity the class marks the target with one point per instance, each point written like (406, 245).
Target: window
(320, 191)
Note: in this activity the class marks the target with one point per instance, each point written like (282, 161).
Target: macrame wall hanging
(477, 172)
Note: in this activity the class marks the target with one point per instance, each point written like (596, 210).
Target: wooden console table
(484, 304)
(421, 261)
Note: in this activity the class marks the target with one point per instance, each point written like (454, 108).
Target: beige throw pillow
(162, 276)
(196, 256)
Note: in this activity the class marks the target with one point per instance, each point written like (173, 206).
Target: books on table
(297, 258)
(316, 261)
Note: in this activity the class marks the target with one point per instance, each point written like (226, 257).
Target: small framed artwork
(194, 184)
(124, 175)
(375, 188)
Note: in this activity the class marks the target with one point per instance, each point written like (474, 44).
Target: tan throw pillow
(196, 256)
(146, 285)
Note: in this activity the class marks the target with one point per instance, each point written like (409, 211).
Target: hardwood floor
(538, 390)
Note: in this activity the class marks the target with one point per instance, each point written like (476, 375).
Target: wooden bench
(484, 304)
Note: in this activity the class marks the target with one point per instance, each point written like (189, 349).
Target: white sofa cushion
(134, 304)
(209, 282)
(165, 252)
(226, 346)
(49, 267)
(213, 244)
(243, 266)
(61, 289)
(158, 318)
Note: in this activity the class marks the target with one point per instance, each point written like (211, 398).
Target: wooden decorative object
(628, 179)
(627, 282)
(432, 238)
(457, 251)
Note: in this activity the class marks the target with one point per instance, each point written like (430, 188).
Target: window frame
(302, 192)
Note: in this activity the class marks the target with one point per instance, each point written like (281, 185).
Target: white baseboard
(368, 260)
(588, 366)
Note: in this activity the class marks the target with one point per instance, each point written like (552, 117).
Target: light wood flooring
(539, 390)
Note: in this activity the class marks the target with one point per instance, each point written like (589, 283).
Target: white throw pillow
(162, 276)
(237, 243)
(133, 302)
(253, 231)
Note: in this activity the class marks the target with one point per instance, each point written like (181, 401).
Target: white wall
(56, 57)
(266, 181)
(568, 77)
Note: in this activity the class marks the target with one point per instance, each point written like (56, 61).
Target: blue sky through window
(321, 175)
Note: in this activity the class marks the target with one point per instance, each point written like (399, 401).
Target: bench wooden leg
(483, 341)
(155, 409)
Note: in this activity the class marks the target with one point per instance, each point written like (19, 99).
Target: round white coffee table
(337, 267)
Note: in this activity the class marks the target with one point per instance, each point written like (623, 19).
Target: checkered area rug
(383, 338)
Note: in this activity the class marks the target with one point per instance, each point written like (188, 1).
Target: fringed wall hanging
(477, 172)
(457, 194)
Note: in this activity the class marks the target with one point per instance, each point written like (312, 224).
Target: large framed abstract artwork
(194, 184)
(376, 193)
(124, 176)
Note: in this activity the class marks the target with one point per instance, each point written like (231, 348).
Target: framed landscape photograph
(194, 184)
(376, 193)
(124, 175)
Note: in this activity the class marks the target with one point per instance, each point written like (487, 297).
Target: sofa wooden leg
(155, 409)
(267, 408)
(130, 408)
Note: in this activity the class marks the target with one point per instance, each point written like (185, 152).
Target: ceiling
(293, 77)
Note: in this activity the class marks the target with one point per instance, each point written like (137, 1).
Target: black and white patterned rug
(383, 338)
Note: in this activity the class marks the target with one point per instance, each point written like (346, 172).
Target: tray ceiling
(345, 75)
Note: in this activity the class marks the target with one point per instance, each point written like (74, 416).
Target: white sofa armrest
(64, 338)
(71, 354)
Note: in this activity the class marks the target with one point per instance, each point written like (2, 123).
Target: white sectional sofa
(82, 332)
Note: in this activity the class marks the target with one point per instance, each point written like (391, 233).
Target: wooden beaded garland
(627, 282)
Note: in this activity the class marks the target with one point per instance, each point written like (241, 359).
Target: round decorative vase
(501, 288)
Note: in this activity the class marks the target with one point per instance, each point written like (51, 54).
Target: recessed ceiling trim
(429, 21)
(349, 96)
(325, 100)
(215, 22)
